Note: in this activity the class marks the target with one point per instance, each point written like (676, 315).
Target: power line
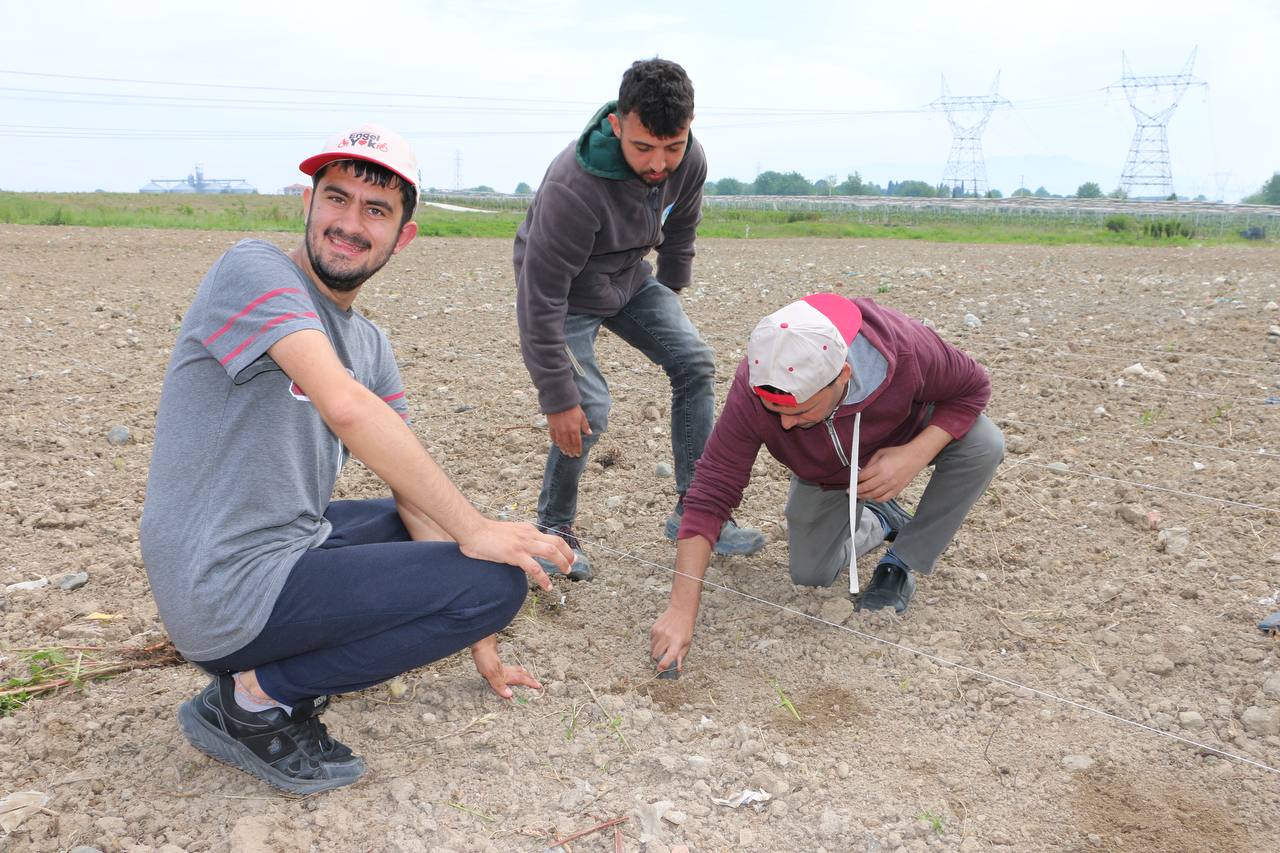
(1140, 439)
(1215, 371)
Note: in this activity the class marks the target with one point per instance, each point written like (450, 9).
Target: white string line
(1180, 353)
(1138, 386)
(1065, 354)
(1138, 440)
(926, 655)
(1149, 486)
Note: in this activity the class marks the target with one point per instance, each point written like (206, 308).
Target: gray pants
(818, 519)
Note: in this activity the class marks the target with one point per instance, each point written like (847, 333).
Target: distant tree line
(1268, 194)
(794, 183)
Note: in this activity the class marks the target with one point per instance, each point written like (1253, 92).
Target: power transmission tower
(1220, 180)
(1147, 169)
(457, 170)
(966, 170)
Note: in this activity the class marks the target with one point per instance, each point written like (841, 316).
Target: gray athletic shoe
(580, 569)
(734, 541)
(293, 752)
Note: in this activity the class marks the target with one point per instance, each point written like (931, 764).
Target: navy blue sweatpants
(369, 604)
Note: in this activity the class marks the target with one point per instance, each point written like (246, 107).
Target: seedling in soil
(1149, 416)
(935, 821)
(462, 808)
(616, 724)
(785, 702)
(572, 728)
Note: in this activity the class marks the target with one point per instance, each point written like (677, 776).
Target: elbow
(343, 410)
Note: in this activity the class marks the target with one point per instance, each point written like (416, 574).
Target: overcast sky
(489, 91)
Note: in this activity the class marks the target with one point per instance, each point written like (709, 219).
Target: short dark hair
(660, 92)
(372, 173)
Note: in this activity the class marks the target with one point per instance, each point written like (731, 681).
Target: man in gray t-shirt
(282, 595)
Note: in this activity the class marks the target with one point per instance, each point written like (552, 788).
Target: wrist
(685, 603)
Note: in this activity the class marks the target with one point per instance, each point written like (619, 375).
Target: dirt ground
(1134, 591)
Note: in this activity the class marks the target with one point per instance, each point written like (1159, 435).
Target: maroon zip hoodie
(923, 370)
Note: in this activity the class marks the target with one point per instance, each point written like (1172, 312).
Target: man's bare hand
(671, 637)
(567, 429)
(888, 472)
(500, 676)
(890, 469)
(516, 544)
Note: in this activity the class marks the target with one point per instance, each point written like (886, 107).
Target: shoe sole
(740, 550)
(220, 746)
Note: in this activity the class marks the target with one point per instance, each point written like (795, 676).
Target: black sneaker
(893, 513)
(891, 586)
(290, 751)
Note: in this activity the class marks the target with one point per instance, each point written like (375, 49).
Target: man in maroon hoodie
(815, 369)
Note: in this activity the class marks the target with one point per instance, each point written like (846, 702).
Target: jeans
(654, 323)
(369, 604)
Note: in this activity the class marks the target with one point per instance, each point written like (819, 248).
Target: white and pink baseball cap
(800, 348)
(371, 142)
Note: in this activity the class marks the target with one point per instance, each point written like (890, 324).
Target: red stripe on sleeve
(275, 321)
(246, 309)
(393, 397)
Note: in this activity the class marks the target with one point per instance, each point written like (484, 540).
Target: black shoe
(893, 513)
(290, 751)
(891, 586)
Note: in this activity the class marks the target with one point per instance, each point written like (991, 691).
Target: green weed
(1119, 222)
(785, 702)
(935, 822)
(53, 669)
(10, 703)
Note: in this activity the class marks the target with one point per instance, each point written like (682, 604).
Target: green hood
(599, 151)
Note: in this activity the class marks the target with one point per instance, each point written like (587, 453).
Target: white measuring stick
(853, 505)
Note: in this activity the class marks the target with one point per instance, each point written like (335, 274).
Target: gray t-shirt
(244, 467)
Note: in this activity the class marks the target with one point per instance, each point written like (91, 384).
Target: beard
(345, 276)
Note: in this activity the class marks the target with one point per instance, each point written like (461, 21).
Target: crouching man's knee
(985, 444)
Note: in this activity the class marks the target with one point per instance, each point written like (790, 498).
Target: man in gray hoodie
(632, 182)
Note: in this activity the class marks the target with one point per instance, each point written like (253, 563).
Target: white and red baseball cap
(371, 142)
(800, 348)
